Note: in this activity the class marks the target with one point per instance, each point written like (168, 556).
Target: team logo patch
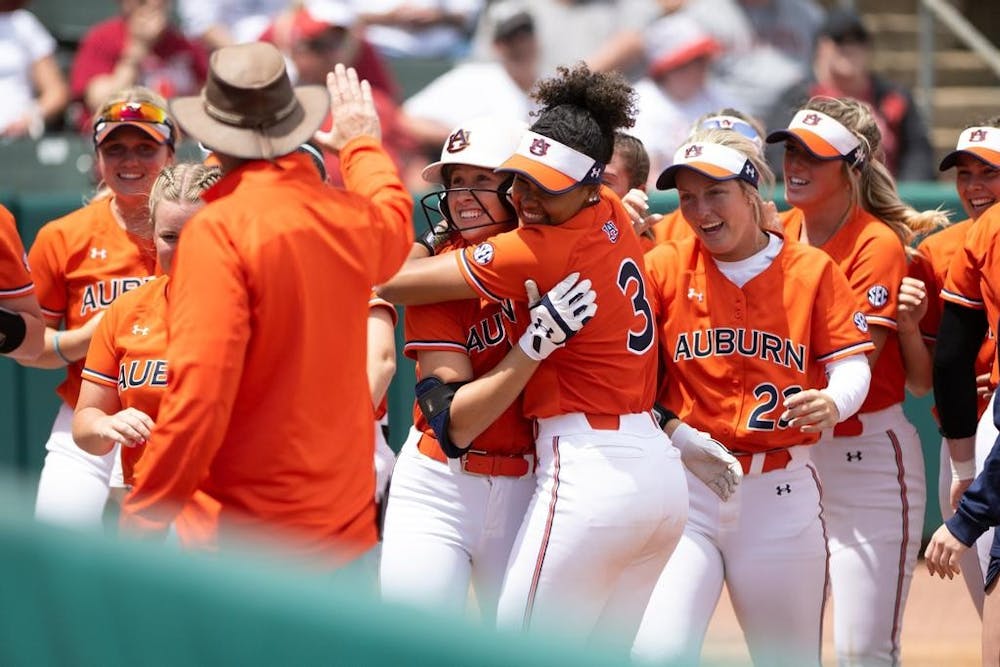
(977, 135)
(878, 296)
(692, 151)
(483, 254)
(539, 147)
(861, 322)
(458, 141)
(611, 230)
(811, 119)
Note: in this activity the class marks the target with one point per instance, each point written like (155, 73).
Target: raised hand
(557, 316)
(352, 108)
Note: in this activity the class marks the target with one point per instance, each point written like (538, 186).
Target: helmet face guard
(439, 218)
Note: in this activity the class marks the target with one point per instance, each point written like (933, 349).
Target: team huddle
(617, 411)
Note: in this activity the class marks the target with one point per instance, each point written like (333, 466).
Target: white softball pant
(444, 529)
(874, 495)
(766, 544)
(608, 509)
(73, 488)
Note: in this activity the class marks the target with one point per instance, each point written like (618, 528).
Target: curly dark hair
(583, 109)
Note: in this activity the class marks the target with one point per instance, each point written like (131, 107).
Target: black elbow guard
(662, 415)
(434, 399)
(12, 330)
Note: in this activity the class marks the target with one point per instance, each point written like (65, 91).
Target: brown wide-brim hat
(248, 107)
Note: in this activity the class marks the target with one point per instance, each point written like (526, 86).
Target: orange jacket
(81, 263)
(267, 408)
(15, 277)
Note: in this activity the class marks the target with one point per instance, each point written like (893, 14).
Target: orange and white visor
(982, 143)
(823, 136)
(720, 163)
(552, 166)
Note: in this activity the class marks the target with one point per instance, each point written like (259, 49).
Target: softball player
(81, 263)
(969, 291)
(610, 499)
(978, 186)
(22, 329)
(871, 464)
(778, 321)
(451, 521)
(125, 374)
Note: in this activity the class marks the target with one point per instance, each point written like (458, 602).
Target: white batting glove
(709, 460)
(557, 316)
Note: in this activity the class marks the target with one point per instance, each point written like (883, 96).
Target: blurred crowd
(435, 62)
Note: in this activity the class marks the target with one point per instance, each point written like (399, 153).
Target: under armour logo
(98, 253)
(595, 173)
(787, 488)
(692, 151)
(750, 171)
(539, 147)
(692, 294)
(139, 331)
(811, 119)
(977, 135)
(458, 141)
(853, 456)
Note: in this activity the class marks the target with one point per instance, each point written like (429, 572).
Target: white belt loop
(756, 464)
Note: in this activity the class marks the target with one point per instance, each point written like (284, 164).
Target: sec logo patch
(878, 296)
(861, 322)
(483, 254)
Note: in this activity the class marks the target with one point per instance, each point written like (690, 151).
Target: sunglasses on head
(734, 124)
(135, 112)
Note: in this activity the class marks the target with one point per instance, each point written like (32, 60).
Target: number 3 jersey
(732, 355)
(609, 367)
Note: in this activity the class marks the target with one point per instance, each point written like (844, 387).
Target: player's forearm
(481, 402)
(428, 280)
(72, 344)
(86, 434)
(917, 361)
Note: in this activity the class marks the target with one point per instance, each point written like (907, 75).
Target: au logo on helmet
(977, 135)
(811, 119)
(539, 147)
(693, 151)
(458, 141)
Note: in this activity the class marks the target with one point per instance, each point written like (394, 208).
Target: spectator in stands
(140, 46)
(678, 88)
(767, 45)
(474, 89)
(420, 28)
(842, 68)
(32, 86)
(318, 34)
(217, 23)
(315, 44)
(573, 30)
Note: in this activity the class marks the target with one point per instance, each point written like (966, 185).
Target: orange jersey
(973, 278)
(586, 375)
(480, 331)
(81, 263)
(128, 352)
(672, 226)
(874, 261)
(930, 264)
(732, 355)
(268, 302)
(374, 301)
(15, 276)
